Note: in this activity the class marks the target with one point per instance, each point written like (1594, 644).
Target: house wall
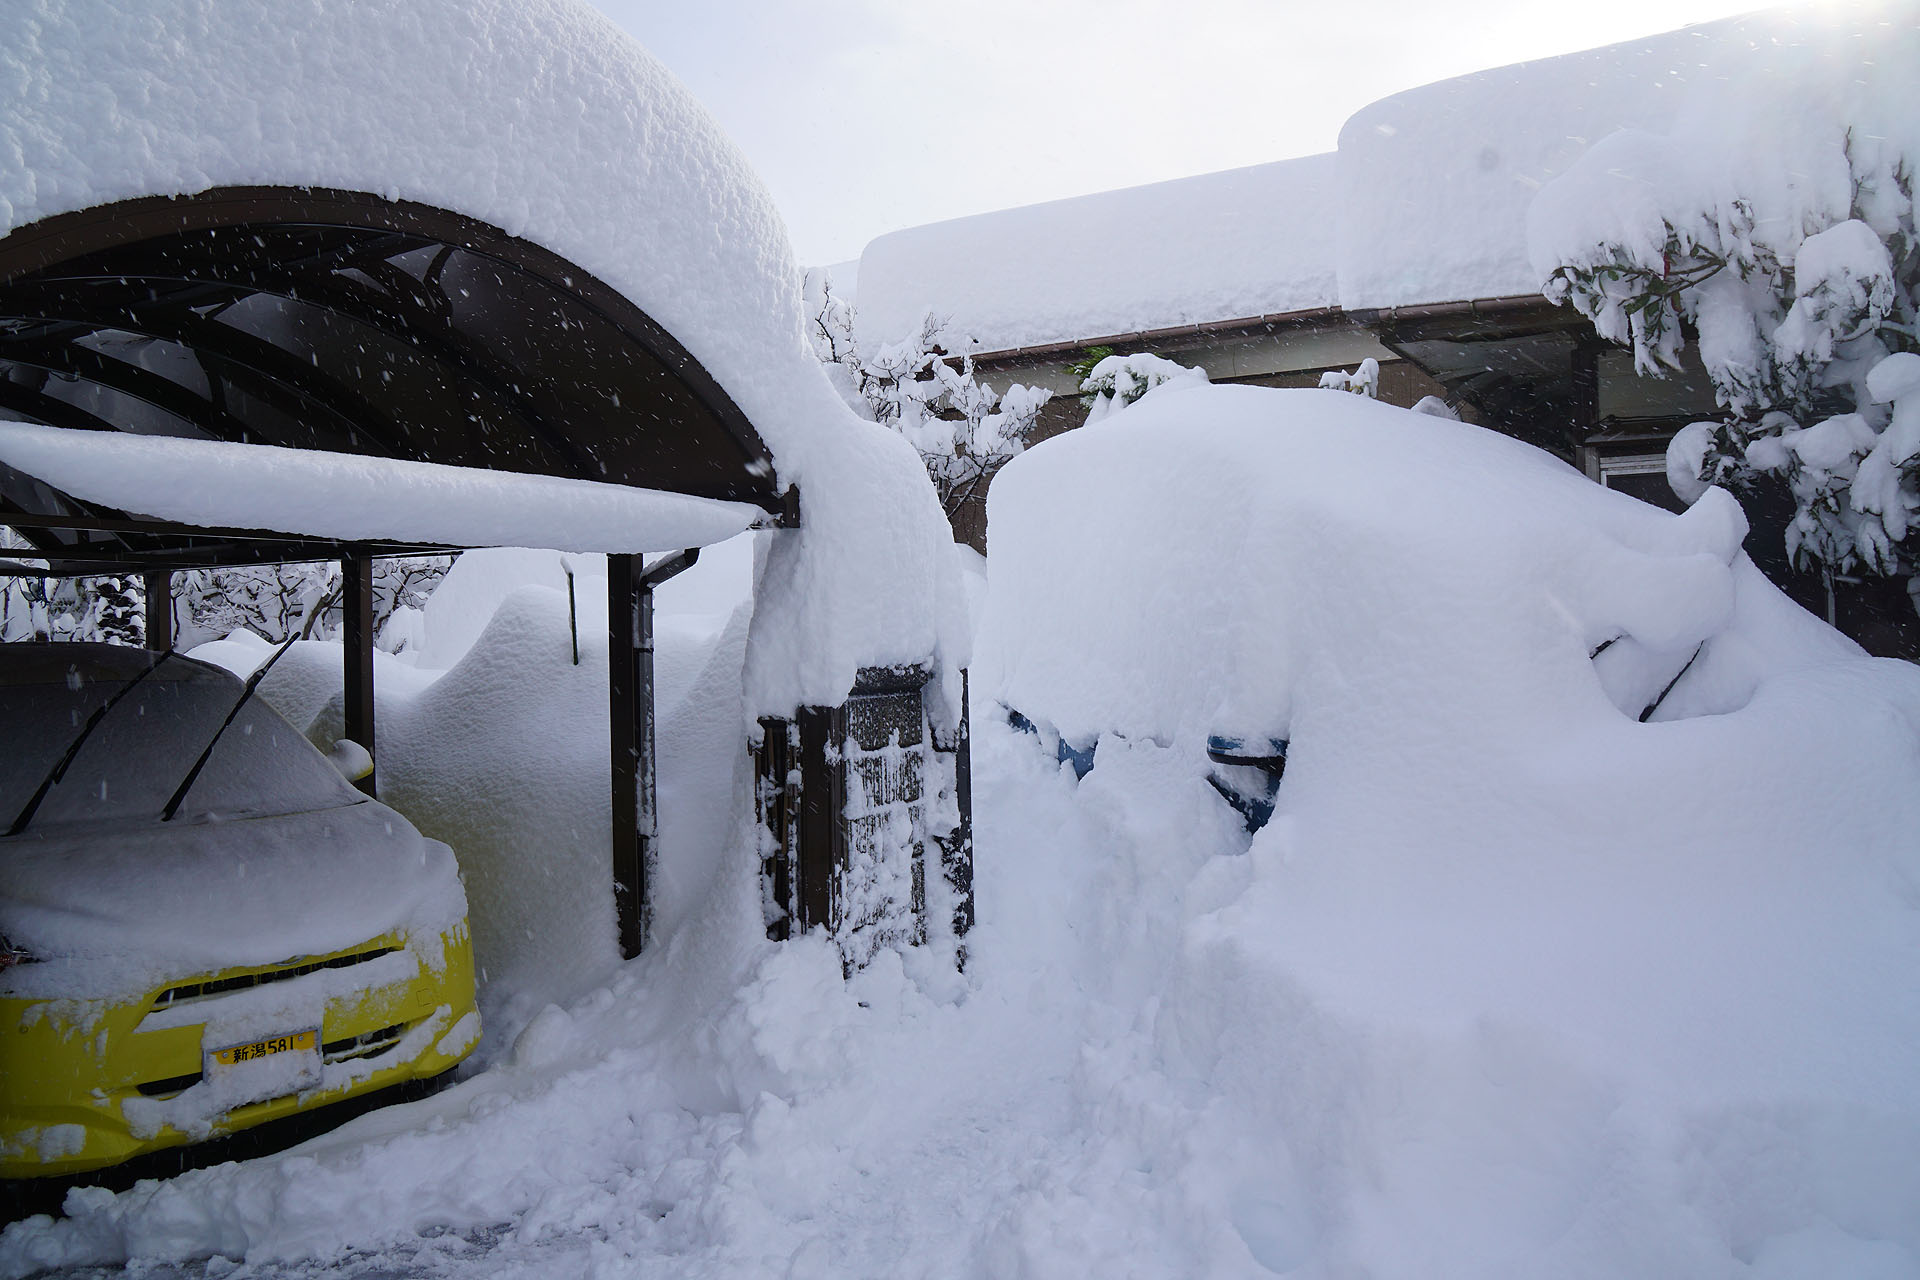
(1265, 356)
(1533, 371)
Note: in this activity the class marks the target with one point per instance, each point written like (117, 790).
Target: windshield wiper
(253, 682)
(59, 769)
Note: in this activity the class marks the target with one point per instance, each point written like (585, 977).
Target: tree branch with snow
(963, 429)
(1775, 229)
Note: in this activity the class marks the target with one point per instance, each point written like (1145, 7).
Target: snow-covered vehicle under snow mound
(1593, 854)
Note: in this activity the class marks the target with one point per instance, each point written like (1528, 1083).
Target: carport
(345, 283)
(339, 323)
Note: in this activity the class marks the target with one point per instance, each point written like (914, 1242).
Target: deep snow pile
(1514, 984)
(494, 740)
(1474, 823)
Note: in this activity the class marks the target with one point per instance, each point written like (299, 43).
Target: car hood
(110, 911)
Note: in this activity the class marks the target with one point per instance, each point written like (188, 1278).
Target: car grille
(171, 1085)
(368, 1044)
(240, 982)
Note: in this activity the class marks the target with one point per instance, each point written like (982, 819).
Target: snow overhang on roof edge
(535, 116)
(1423, 203)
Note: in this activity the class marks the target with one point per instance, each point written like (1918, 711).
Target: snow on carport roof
(540, 118)
(352, 497)
(1244, 242)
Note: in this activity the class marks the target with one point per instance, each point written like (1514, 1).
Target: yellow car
(203, 926)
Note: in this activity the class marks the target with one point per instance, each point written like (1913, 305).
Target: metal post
(356, 643)
(630, 735)
(159, 589)
(629, 864)
(822, 836)
(959, 868)
(646, 780)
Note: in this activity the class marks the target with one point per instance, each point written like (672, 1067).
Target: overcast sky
(863, 116)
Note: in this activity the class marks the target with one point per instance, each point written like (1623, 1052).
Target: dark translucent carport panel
(343, 322)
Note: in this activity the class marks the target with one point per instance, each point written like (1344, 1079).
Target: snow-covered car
(203, 925)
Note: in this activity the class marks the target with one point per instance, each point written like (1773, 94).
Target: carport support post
(630, 732)
(159, 588)
(356, 644)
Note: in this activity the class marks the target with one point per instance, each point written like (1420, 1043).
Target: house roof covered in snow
(1243, 242)
(1425, 201)
(1436, 182)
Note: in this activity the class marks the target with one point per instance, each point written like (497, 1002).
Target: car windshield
(130, 764)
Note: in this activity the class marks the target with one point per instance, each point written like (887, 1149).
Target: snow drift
(1498, 921)
(496, 744)
(1514, 983)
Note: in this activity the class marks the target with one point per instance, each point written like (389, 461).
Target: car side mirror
(352, 760)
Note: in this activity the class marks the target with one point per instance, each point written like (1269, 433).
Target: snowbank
(1513, 985)
(1245, 242)
(1235, 514)
(496, 744)
(1663, 938)
(545, 120)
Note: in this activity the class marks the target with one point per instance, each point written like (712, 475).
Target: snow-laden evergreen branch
(1794, 266)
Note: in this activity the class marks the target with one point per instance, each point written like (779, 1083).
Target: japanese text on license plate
(298, 1042)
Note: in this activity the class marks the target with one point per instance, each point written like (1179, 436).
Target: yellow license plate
(299, 1042)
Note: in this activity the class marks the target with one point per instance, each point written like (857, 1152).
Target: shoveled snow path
(896, 1125)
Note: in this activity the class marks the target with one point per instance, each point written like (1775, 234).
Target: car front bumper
(89, 1084)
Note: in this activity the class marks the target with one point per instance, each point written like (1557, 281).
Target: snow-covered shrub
(110, 608)
(275, 602)
(1775, 224)
(829, 319)
(962, 428)
(280, 601)
(1116, 381)
(1363, 381)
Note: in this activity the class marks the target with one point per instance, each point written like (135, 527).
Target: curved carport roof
(344, 323)
(488, 274)
(263, 374)
(493, 224)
